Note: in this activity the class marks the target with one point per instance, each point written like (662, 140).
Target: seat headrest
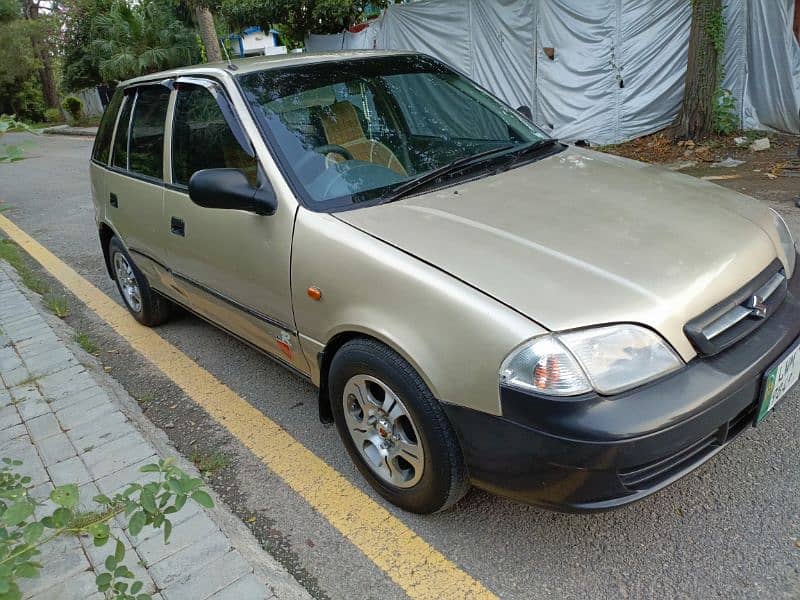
(341, 124)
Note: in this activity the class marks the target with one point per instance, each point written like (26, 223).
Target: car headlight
(787, 242)
(608, 359)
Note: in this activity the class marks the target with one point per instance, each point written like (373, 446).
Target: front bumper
(597, 453)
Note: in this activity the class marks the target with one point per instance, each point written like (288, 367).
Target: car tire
(146, 306)
(394, 429)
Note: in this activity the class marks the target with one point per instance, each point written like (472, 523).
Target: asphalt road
(728, 530)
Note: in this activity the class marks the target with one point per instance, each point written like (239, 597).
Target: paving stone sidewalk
(68, 424)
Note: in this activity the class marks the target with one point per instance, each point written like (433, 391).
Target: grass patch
(145, 400)
(755, 134)
(57, 304)
(32, 282)
(84, 341)
(9, 252)
(209, 463)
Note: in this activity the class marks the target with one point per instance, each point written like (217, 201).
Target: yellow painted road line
(411, 562)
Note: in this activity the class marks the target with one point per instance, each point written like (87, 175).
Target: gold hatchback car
(477, 302)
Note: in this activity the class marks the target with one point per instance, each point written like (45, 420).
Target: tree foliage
(20, 89)
(81, 66)
(9, 10)
(297, 18)
(141, 38)
(44, 39)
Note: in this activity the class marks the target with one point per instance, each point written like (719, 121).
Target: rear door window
(147, 131)
(102, 143)
(202, 139)
(119, 156)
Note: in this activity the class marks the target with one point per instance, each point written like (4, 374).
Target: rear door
(134, 187)
(232, 265)
(101, 152)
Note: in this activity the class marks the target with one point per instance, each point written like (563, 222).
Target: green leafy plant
(12, 152)
(74, 107)
(725, 118)
(150, 504)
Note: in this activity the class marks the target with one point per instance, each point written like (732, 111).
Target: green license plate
(778, 380)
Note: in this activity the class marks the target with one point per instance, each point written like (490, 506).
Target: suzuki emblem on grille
(757, 306)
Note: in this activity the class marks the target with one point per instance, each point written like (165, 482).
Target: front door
(232, 265)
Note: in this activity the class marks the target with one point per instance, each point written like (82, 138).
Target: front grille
(649, 475)
(740, 314)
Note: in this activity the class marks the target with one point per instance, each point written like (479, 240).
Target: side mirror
(230, 189)
(525, 111)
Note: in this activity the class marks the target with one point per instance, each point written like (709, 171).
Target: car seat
(343, 128)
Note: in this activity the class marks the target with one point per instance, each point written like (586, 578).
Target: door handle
(178, 227)
(112, 200)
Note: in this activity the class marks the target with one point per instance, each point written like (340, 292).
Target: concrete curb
(70, 130)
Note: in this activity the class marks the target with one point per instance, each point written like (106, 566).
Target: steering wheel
(335, 149)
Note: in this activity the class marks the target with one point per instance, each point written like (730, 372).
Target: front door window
(202, 139)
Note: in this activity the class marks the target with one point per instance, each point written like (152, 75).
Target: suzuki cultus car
(478, 303)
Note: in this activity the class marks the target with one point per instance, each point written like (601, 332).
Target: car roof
(261, 63)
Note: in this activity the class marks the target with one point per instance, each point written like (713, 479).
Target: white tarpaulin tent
(617, 68)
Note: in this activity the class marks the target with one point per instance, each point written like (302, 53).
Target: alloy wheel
(383, 431)
(127, 282)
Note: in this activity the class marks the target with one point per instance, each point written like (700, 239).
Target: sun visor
(316, 98)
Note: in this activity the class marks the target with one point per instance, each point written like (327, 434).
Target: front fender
(454, 335)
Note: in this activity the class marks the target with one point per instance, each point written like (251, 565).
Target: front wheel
(394, 429)
(146, 306)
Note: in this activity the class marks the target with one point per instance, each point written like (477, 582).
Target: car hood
(583, 238)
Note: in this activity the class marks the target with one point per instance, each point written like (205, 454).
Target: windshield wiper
(530, 149)
(404, 189)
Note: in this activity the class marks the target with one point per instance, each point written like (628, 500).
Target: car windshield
(354, 131)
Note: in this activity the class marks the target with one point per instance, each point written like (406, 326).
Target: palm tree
(206, 29)
(136, 39)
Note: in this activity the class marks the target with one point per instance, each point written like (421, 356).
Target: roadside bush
(28, 102)
(53, 115)
(74, 107)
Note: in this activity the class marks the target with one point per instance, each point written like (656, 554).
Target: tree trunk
(695, 120)
(49, 90)
(205, 25)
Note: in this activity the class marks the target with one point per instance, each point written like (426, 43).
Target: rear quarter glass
(102, 143)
